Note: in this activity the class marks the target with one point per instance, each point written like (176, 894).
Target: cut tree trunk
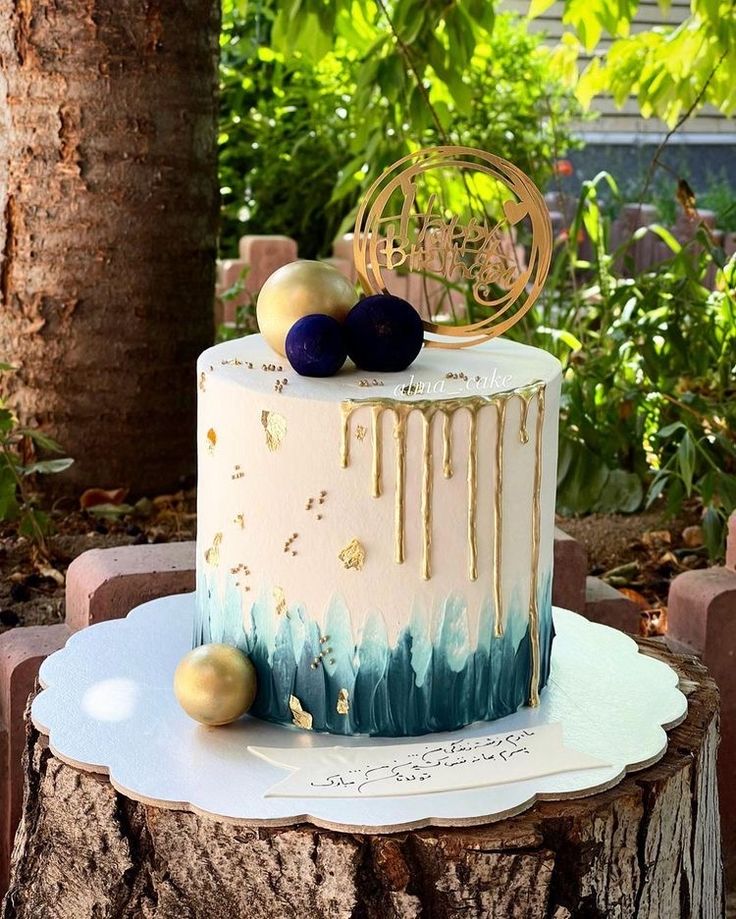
(108, 218)
(650, 847)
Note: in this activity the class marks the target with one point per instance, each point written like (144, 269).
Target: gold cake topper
(409, 220)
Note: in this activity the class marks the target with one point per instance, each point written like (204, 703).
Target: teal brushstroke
(415, 687)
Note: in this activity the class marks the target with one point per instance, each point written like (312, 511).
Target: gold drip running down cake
(379, 542)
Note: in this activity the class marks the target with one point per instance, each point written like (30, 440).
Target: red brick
(702, 613)
(21, 653)
(106, 584)
(263, 255)
(731, 542)
(570, 570)
(608, 606)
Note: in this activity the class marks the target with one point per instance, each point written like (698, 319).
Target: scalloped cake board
(108, 706)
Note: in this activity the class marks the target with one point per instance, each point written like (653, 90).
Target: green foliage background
(318, 96)
(315, 106)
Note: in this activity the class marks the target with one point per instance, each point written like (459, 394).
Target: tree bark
(108, 218)
(650, 847)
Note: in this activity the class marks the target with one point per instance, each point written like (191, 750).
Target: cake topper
(413, 219)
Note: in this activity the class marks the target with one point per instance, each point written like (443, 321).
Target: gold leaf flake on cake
(300, 718)
(279, 598)
(211, 440)
(360, 432)
(275, 427)
(353, 555)
(343, 702)
(212, 555)
(202, 381)
(239, 521)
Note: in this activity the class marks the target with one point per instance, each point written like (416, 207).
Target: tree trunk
(108, 187)
(648, 848)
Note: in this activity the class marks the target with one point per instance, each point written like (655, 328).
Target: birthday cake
(377, 541)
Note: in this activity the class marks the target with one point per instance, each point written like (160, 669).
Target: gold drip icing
(498, 516)
(346, 410)
(536, 526)
(447, 445)
(428, 409)
(473, 494)
(426, 494)
(399, 497)
(376, 412)
(526, 399)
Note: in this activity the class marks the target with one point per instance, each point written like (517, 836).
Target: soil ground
(32, 584)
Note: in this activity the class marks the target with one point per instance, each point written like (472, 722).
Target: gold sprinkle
(212, 438)
(279, 600)
(411, 389)
(360, 432)
(300, 718)
(212, 555)
(353, 555)
(202, 381)
(275, 428)
(343, 702)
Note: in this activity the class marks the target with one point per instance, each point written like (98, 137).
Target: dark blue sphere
(384, 334)
(315, 346)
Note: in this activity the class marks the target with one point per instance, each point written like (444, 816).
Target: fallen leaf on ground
(634, 596)
(93, 497)
(656, 539)
(653, 622)
(692, 537)
(53, 573)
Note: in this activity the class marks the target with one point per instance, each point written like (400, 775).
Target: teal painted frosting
(424, 683)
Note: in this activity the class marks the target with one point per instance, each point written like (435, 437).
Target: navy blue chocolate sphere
(384, 334)
(315, 346)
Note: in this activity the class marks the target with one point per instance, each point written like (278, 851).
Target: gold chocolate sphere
(215, 684)
(300, 289)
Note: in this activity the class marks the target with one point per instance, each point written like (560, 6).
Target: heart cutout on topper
(514, 211)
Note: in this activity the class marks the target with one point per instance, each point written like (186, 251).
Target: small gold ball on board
(215, 684)
(300, 289)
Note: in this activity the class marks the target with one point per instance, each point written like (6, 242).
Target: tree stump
(650, 847)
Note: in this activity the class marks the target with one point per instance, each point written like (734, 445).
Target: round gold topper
(413, 219)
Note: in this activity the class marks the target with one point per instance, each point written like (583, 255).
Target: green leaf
(47, 467)
(622, 494)
(670, 429)
(583, 483)
(41, 440)
(8, 498)
(111, 510)
(7, 420)
(656, 488)
(686, 461)
(4, 367)
(34, 524)
(714, 532)
(537, 7)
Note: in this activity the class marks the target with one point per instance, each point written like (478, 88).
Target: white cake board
(107, 706)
